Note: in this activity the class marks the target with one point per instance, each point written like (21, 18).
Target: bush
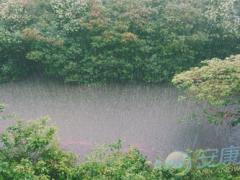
(30, 151)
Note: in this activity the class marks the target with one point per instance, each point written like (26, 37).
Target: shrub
(30, 151)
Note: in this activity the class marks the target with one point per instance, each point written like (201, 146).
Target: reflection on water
(145, 116)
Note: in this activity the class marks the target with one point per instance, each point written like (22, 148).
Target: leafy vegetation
(115, 40)
(216, 82)
(93, 41)
(30, 151)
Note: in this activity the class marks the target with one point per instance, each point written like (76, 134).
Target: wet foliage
(103, 41)
(30, 151)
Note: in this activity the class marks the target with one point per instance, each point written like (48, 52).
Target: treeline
(113, 40)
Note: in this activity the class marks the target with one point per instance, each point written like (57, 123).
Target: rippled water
(145, 116)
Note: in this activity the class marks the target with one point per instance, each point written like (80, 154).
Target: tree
(216, 82)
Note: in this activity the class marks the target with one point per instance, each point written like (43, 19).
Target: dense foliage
(216, 82)
(30, 151)
(113, 40)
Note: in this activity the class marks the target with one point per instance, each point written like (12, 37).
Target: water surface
(144, 116)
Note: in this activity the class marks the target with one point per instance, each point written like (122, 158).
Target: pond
(149, 117)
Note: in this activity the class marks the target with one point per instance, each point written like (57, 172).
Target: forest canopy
(113, 40)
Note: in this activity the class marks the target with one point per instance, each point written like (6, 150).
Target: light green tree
(217, 82)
